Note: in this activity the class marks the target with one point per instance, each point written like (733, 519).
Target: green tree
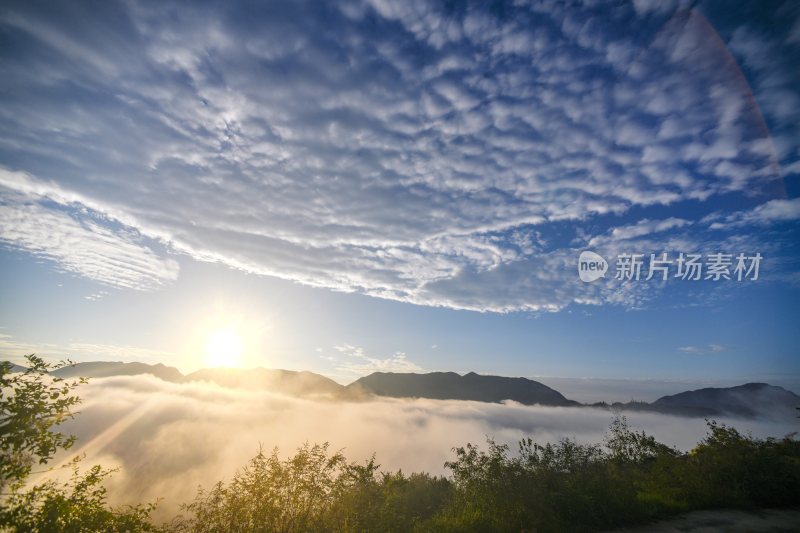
(79, 505)
(628, 446)
(32, 404)
(270, 494)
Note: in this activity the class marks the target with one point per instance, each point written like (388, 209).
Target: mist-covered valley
(169, 438)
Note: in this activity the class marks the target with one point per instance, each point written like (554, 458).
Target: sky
(358, 186)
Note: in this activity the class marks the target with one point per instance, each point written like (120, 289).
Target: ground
(725, 520)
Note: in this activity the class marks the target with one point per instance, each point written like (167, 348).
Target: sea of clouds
(167, 439)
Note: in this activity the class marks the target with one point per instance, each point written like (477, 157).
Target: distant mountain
(452, 386)
(289, 382)
(304, 384)
(15, 367)
(102, 369)
(751, 399)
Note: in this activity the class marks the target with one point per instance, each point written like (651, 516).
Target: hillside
(293, 383)
(305, 384)
(102, 369)
(452, 386)
(750, 399)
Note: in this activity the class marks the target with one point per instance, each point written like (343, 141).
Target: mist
(167, 438)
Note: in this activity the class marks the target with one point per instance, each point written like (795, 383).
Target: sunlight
(224, 348)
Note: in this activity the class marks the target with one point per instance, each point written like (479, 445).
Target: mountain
(452, 386)
(303, 384)
(14, 368)
(750, 399)
(102, 369)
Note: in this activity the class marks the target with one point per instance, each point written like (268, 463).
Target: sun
(224, 348)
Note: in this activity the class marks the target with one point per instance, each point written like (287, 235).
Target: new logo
(591, 266)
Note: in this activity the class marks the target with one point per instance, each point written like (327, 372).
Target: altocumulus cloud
(84, 247)
(425, 152)
(168, 438)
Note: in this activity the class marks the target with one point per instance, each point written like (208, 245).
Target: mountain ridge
(747, 400)
(453, 386)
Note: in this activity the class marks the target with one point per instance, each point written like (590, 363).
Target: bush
(32, 405)
(629, 478)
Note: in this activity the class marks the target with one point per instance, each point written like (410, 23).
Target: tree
(270, 494)
(628, 446)
(79, 505)
(32, 404)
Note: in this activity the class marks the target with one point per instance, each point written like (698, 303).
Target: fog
(590, 390)
(167, 438)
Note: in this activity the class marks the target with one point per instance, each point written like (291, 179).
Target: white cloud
(96, 295)
(354, 361)
(84, 246)
(394, 154)
(15, 349)
(640, 229)
(771, 212)
(710, 348)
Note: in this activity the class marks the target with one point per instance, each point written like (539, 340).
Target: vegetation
(627, 479)
(315, 491)
(32, 405)
(630, 478)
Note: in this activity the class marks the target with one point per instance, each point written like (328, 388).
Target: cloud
(711, 348)
(403, 152)
(772, 212)
(640, 229)
(84, 246)
(15, 349)
(357, 362)
(169, 438)
(96, 296)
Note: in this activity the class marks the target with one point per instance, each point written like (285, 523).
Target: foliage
(78, 505)
(627, 479)
(313, 491)
(630, 478)
(32, 404)
(731, 469)
(271, 495)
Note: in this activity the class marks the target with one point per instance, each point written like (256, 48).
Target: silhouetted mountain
(750, 399)
(15, 367)
(282, 381)
(102, 369)
(452, 386)
(305, 384)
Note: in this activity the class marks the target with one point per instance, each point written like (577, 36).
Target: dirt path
(773, 520)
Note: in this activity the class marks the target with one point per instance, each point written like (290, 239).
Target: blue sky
(401, 186)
